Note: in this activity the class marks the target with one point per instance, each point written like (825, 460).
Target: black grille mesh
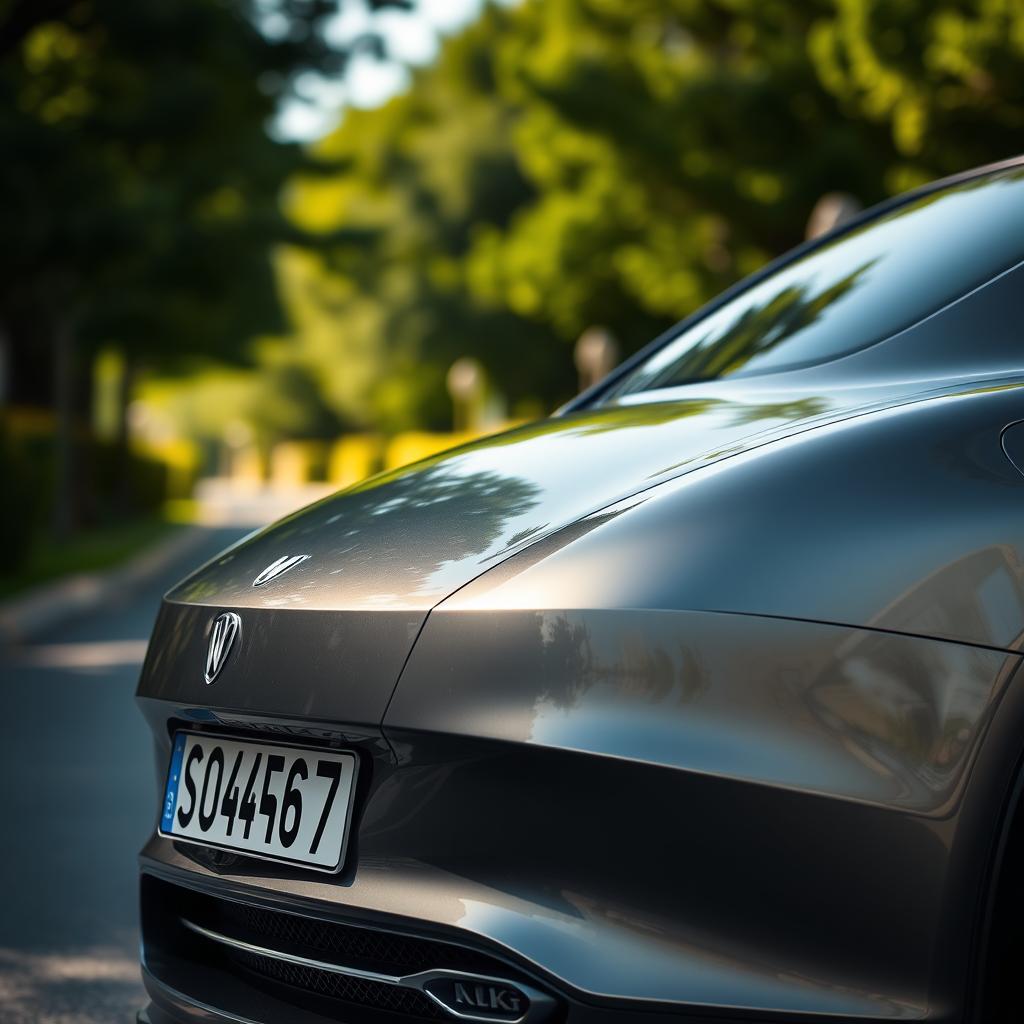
(363, 992)
(347, 945)
(383, 952)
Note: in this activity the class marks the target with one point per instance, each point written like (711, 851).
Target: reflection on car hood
(409, 538)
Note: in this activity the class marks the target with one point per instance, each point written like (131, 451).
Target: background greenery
(561, 164)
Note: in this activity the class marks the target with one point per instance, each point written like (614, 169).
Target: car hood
(327, 639)
(408, 539)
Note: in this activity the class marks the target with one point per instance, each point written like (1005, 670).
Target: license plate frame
(173, 786)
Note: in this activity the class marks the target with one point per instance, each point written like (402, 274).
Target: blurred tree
(675, 146)
(564, 164)
(381, 318)
(140, 188)
(945, 79)
(667, 147)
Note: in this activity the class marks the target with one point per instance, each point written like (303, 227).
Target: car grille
(333, 969)
(366, 948)
(337, 986)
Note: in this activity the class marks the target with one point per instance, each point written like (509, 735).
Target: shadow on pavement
(77, 799)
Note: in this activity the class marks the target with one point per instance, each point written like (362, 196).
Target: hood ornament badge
(226, 628)
(275, 569)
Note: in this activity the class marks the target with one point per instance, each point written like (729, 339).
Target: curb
(52, 604)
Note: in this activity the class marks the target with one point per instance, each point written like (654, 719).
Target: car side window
(865, 286)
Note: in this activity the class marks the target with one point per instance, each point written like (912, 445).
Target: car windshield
(857, 290)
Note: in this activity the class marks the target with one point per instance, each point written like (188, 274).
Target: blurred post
(64, 406)
(354, 458)
(241, 458)
(831, 210)
(5, 363)
(122, 437)
(596, 354)
(466, 386)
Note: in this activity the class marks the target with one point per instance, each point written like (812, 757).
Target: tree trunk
(64, 503)
(122, 439)
(86, 498)
(5, 366)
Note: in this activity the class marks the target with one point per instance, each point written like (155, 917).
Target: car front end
(700, 699)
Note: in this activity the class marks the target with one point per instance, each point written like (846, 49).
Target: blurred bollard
(466, 385)
(596, 354)
(292, 463)
(831, 210)
(353, 458)
(413, 445)
(245, 468)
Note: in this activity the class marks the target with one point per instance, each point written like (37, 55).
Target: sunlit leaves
(943, 76)
(59, 62)
(619, 162)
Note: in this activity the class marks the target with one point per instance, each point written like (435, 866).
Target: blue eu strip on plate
(173, 775)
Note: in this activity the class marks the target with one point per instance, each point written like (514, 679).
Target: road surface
(78, 798)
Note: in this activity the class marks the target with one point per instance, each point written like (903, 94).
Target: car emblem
(481, 999)
(226, 628)
(275, 569)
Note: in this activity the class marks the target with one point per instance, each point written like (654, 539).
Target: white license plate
(281, 803)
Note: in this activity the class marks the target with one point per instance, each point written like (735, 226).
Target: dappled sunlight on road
(97, 654)
(79, 803)
(101, 984)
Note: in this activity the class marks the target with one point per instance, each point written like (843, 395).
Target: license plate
(280, 803)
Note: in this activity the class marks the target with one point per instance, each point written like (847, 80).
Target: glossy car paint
(707, 700)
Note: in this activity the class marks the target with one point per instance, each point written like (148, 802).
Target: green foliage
(94, 551)
(379, 319)
(619, 162)
(121, 484)
(677, 146)
(140, 196)
(945, 79)
(140, 189)
(564, 163)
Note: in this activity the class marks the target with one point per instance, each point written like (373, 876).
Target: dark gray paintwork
(704, 697)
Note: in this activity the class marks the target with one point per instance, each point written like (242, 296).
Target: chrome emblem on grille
(480, 999)
(275, 569)
(226, 628)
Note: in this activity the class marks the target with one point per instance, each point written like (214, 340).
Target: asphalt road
(77, 800)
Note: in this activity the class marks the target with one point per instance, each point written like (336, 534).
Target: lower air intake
(335, 970)
(359, 991)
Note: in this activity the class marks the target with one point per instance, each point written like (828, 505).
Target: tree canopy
(140, 190)
(567, 163)
(562, 164)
